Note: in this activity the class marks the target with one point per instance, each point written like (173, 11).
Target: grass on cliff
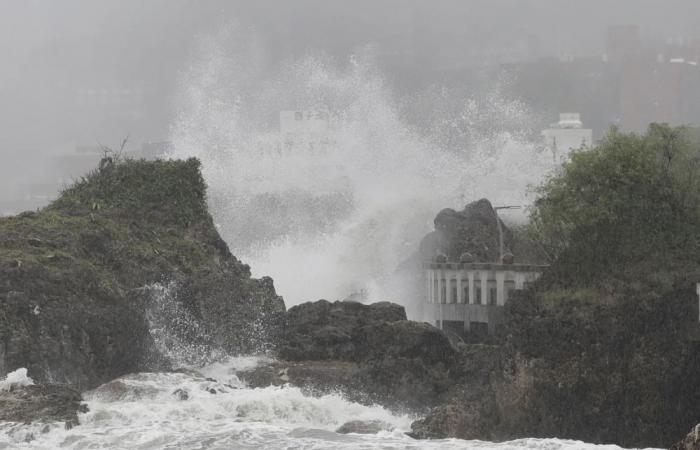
(169, 192)
(125, 224)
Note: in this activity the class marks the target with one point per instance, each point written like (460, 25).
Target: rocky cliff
(73, 308)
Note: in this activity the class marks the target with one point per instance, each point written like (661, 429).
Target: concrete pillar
(448, 287)
(484, 288)
(697, 290)
(472, 291)
(460, 294)
(500, 288)
(429, 284)
(439, 291)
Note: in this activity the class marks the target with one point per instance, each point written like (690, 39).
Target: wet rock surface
(364, 427)
(370, 353)
(41, 403)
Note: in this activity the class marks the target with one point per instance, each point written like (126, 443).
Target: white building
(301, 134)
(566, 135)
(304, 132)
(309, 123)
(462, 296)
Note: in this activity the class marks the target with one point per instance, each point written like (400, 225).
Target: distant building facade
(468, 296)
(566, 135)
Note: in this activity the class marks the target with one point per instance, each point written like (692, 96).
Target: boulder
(41, 403)
(370, 353)
(472, 231)
(469, 414)
(364, 427)
(325, 331)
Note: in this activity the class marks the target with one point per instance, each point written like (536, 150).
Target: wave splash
(333, 222)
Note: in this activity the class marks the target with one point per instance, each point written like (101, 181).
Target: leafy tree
(627, 209)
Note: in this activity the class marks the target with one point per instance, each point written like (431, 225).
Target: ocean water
(211, 408)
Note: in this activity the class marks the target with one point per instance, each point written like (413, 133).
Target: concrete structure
(465, 296)
(301, 133)
(295, 123)
(566, 135)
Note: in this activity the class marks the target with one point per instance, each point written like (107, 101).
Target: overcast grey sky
(51, 49)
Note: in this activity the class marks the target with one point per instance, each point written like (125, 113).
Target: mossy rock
(71, 273)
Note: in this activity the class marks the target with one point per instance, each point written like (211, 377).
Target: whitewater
(211, 408)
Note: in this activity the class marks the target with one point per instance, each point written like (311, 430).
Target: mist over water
(332, 222)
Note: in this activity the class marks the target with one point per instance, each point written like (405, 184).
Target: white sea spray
(333, 223)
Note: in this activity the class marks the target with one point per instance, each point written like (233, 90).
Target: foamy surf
(193, 410)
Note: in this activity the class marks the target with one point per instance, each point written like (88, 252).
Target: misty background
(76, 74)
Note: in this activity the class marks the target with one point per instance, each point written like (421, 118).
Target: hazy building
(303, 132)
(659, 91)
(566, 135)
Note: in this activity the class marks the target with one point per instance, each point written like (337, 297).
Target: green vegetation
(626, 211)
(610, 331)
(72, 304)
(168, 192)
(129, 222)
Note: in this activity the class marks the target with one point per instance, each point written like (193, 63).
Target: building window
(443, 294)
(465, 294)
(477, 293)
(492, 293)
(298, 115)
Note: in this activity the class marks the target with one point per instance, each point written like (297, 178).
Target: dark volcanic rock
(691, 441)
(324, 330)
(364, 427)
(41, 403)
(73, 308)
(472, 414)
(473, 230)
(371, 353)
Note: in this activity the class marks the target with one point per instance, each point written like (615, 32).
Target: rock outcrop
(364, 427)
(41, 403)
(72, 307)
(473, 230)
(371, 353)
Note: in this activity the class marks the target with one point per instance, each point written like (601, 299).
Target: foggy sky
(50, 49)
